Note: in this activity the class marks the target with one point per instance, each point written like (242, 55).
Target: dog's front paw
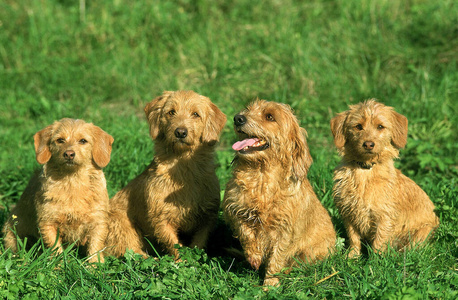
(255, 262)
(354, 253)
(271, 281)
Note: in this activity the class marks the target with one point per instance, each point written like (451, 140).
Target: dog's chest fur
(262, 204)
(192, 192)
(364, 196)
(72, 205)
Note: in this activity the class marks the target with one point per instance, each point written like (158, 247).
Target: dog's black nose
(181, 133)
(69, 154)
(239, 120)
(368, 145)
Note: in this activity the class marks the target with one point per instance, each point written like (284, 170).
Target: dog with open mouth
(269, 203)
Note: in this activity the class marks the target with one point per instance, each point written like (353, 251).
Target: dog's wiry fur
(176, 199)
(67, 200)
(269, 203)
(378, 204)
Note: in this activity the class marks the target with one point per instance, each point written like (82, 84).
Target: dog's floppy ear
(215, 122)
(302, 160)
(41, 142)
(399, 130)
(337, 128)
(101, 149)
(153, 111)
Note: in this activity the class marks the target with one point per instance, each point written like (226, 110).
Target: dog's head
(184, 120)
(71, 143)
(368, 131)
(269, 131)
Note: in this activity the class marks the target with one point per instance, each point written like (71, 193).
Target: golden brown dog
(67, 201)
(378, 204)
(269, 203)
(176, 199)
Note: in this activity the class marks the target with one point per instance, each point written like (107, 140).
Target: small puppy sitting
(67, 201)
(176, 199)
(269, 203)
(378, 204)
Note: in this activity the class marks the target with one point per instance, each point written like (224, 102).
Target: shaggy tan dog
(176, 199)
(67, 201)
(378, 204)
(269, 203)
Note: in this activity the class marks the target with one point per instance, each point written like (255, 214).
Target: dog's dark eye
(60, 141)
(359, 127)
(196, 115)
(172, 112)
(82, 141)
(270, 118)
(380, 127)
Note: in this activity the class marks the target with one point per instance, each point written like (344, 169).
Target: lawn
(102, 61)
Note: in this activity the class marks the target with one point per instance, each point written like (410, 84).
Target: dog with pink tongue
(269, 203)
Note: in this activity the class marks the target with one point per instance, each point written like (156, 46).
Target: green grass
(102, 64)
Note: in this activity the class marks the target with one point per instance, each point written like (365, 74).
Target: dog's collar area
(364, 165)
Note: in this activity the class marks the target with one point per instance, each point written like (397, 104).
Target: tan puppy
(176, 199)
(269, 203)
(67, 201)
(378, 204)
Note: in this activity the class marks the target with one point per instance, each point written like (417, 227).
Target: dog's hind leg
(10, 240)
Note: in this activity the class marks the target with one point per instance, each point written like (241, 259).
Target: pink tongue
(245, 143)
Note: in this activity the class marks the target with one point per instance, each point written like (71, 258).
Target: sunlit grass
(103, 63)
